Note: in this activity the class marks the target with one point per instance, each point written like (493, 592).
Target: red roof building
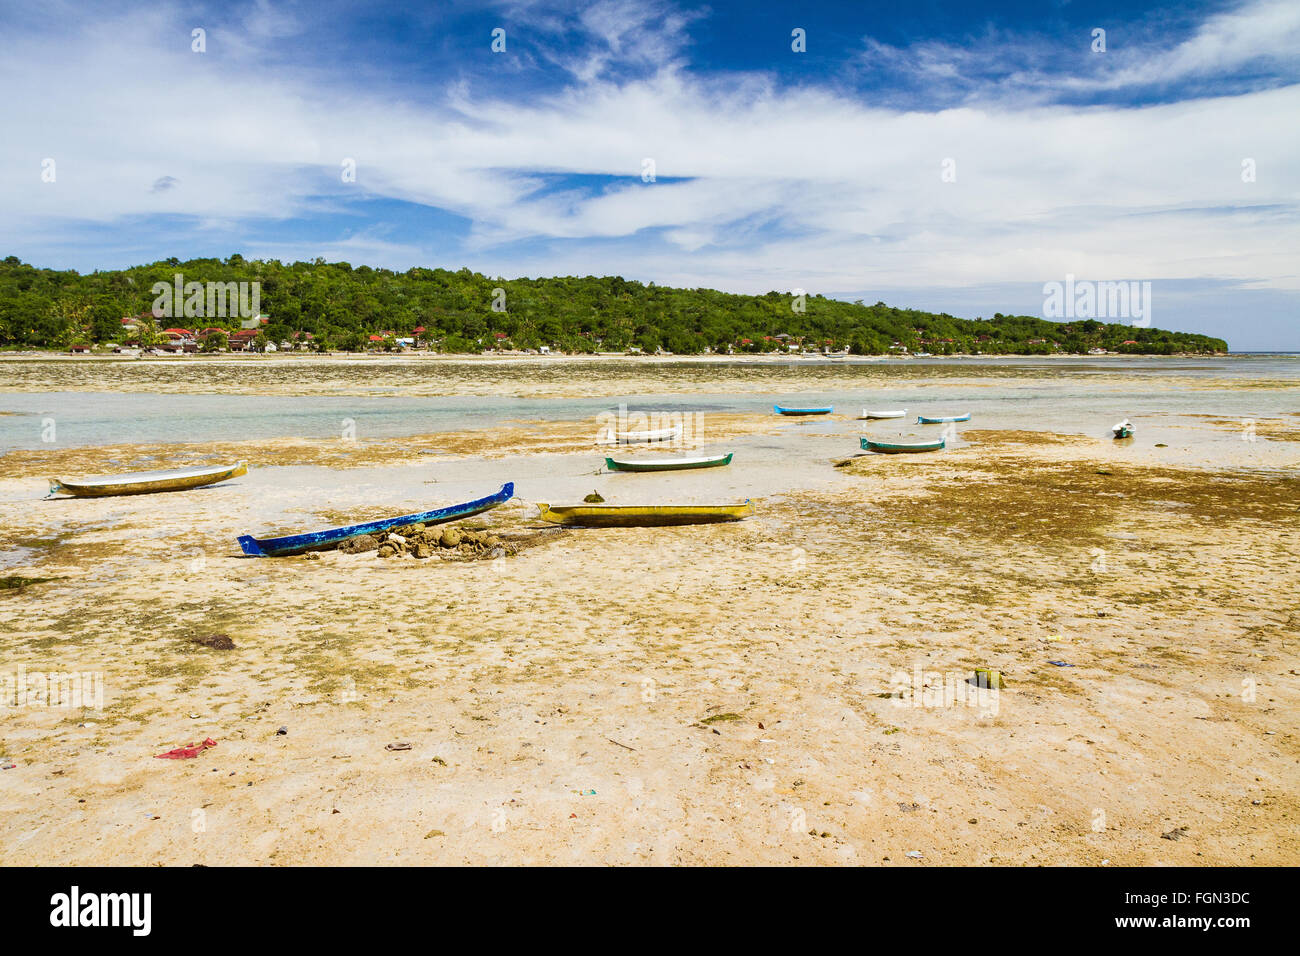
(242, 340)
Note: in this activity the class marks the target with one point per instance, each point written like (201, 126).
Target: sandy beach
(793, 688)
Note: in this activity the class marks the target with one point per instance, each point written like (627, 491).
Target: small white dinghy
(894, 413)
(1123, 430)
(627, 438)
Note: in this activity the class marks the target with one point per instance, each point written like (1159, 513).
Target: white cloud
(630, 34)
(1261, 37)
(271, 22)
(1264, 32)
(800, 187)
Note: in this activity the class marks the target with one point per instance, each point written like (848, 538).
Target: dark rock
(218, 642)
(366, 542)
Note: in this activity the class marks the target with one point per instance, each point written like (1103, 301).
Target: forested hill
(342, 306)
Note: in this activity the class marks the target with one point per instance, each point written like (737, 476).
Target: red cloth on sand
(193, 750)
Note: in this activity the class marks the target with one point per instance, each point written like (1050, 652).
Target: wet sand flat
(788, 689)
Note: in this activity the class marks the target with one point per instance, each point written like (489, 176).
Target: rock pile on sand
(422, 542)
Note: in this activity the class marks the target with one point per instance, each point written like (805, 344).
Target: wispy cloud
(758, 184)
(607, 38)
(265, 21)
(1254, 46)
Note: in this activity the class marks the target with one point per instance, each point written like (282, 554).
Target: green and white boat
(899, 447)
(667, 464)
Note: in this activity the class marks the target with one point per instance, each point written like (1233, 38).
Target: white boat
(892, 413)
(148, 482)
(653, 434)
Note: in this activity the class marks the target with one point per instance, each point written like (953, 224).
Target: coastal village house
(242, 341)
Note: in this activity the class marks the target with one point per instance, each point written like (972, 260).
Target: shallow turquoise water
(1067, 395)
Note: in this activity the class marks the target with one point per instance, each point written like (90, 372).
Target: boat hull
(635, 438)
(666, 464)
(148, 483)
(900, 448)
(867, 414)
(323, 540)
(637, 516)
(780, 410)
(923, 420)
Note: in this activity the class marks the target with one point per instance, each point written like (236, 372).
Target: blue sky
(821, 170)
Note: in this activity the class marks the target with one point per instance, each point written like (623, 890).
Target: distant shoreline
(768, 358)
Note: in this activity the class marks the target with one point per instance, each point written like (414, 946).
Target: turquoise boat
(666, 464)
(923, 420)
(825, 410)
(899, 447)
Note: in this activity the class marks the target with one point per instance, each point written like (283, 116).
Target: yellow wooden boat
(633, 516)
(148, 482)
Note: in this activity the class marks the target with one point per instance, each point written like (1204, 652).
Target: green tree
(215, 341)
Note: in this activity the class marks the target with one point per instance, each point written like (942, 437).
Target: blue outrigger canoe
(321, 540)
(898, 447)
(922, 420)
(803, 411)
